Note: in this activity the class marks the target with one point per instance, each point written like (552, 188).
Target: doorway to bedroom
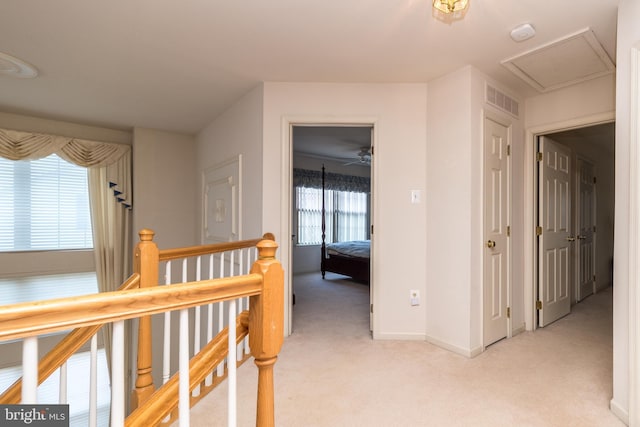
(331, 224)
(575, 217)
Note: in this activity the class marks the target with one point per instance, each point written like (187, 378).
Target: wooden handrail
(264, 286)
(61, 352)
(191, 251)
(31, 319)
(165, 399)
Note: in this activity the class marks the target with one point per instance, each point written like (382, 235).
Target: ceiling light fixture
(14, 67)
(450, 6)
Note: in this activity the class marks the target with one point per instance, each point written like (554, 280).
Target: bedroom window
(346, 215)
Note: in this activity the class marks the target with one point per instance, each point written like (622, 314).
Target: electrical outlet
(414, 297)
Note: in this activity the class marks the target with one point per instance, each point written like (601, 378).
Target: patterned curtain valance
(18, 145)
(333, 181)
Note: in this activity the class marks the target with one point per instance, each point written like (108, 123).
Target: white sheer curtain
(109, 193)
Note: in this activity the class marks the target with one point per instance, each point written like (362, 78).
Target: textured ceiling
(177, 65)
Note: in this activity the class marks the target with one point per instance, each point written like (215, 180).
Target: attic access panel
(563, 62)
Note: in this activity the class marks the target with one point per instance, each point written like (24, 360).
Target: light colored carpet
(331, 373)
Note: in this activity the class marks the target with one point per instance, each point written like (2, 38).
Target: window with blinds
(46, 242)
(346, 216)
(44, 205)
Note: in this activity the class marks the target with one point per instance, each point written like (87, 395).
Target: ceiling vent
(501, 101)
(563, 62)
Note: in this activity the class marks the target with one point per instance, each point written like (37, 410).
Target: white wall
(455, 210)
(237, 131)
(628, 36)
(586, 99)
(164, 187)
(398, 112)
(449, 211)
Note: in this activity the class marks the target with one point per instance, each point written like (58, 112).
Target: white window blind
(346, 216)
(44, 205)
(15, 290)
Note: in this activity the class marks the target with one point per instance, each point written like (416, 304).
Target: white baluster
(196, 325)
(231, 366)
(183, 369)
(30, 370)
(209, 379)
(240, 351)
(93, 383)
(166, 349)
(117, 375)
(247, 350)
(62, 389)
(221, 314)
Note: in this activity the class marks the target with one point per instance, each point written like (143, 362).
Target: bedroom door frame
(287, 124)
(530, 200)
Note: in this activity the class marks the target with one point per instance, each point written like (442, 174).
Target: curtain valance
(116, 158)
(333, 181)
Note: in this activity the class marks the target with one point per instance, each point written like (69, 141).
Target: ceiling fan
(364, 158)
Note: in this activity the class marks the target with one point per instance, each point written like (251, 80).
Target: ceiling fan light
(450, 6)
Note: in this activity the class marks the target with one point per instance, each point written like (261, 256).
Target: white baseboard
(399, 337)
(522, 328)
(470, 353)
(619, 411)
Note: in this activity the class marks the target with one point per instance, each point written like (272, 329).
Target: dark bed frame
(355, 267)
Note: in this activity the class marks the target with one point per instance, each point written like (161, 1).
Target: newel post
(146, 260)
(266, 327)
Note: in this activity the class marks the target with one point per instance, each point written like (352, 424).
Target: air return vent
(501, 101)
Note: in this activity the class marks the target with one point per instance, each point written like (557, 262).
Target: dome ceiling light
(449, 10)
(14, 67)
(450, 6)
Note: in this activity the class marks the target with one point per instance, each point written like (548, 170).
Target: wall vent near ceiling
(502, 101)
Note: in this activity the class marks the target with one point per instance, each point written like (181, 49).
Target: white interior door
(586, 215)
(496, 231)
(555, 239)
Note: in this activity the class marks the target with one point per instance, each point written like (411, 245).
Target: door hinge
(508, 150)
(538, 231)
(594, 228)
(538, 305)
(372, 150)
(371, 228)
(371, 308)
(539, 156)
(594, 277)
(508, 312)
(508, 231)
(594, 180)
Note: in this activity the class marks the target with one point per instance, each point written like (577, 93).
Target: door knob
(581, 237)
(491, 244)
(571, 239)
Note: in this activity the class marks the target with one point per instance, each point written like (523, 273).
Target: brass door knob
(491, 244)
(571, 239)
